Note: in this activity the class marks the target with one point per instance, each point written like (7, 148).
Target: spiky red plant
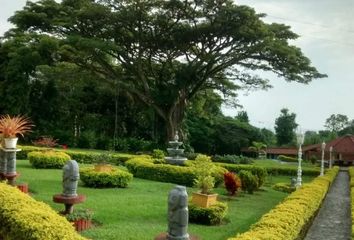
(12, 126)
(232, 183)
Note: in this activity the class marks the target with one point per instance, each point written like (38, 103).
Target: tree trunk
(175, 119)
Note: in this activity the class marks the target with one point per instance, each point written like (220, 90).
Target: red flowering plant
(232, 183)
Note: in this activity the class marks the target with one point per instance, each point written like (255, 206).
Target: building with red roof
(343, 150)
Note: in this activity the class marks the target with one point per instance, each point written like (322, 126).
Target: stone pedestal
(69, 201)
(8, 164)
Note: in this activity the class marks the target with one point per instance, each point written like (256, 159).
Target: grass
(275, 163)
(140, 211)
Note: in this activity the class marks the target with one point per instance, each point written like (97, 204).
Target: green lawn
(139, 211)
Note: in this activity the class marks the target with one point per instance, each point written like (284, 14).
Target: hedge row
(143, 167)
(79, 156)
(48, 159)
(259, 172)
(115, 178)
(287, 159)
(280, 170)
(212, 215)
(289, 219)
(23, 218)
(351, 174)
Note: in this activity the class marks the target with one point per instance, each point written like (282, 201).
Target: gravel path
(333, 221)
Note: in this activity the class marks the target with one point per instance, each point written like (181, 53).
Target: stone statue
(176, 137)
(178, 214)
(71, 177)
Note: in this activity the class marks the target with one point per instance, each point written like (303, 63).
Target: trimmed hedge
(115, 178)
(23, 218)
(289, 219)
(212, 215)
(284, 187)
(143, 167)
(48, 159)
(287, 159)
(79, 156)
(280, 170)
(259, 172)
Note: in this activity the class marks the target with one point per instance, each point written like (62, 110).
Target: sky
(326, 30)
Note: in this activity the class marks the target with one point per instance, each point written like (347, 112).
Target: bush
(23, 218)
(232, 183)
(115, 178)
(78, 214)
(191, 155)
(143, 167)
(204, 169)
(212, 215)
(260, 172)
(287, 159)
(48, 159)
(289, 219)
(279, 170)
(158, 154)
(249, 182)
(232, 159)
(284, 187)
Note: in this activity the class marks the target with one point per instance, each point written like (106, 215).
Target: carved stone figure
(71, 177)
(178, 214)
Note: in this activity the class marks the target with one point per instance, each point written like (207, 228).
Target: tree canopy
(164, 52)
(285, 126)
(336, 122)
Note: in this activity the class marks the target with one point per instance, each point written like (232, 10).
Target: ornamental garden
(125, 196)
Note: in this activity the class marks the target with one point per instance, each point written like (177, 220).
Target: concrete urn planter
(10, 142)
(103, 168)
(204, 200)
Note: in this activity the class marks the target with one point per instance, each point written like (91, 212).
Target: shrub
(79, 214)
(22, 217)
(158, 154)
(279, 170)
(191, 155)
(212, 215)
(284, 187)
(143, 167)
(232, 159)
(45, 141)
(232, 183)
(204, 169)
(287, 159)
(115, 178)
(48, 159)
(249, 182)
(289, 219)
(260, 172)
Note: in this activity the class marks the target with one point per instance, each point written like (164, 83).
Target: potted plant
(204, 181)
(10, 127)
(81, 219)
(102, 164)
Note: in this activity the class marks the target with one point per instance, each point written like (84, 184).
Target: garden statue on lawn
(71, 177)
(178, 214)
(70, 180)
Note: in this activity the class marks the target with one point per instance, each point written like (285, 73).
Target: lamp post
(323, 146)
(330, 156)
(300, 141)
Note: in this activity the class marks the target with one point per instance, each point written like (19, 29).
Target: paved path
(333, 221)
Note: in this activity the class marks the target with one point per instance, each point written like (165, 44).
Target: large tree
(336, 122)
(164, 52)
(285, 126)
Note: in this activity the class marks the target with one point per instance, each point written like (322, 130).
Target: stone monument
(175, 152)
(69, 195)
(71, 177)
(178, 214)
